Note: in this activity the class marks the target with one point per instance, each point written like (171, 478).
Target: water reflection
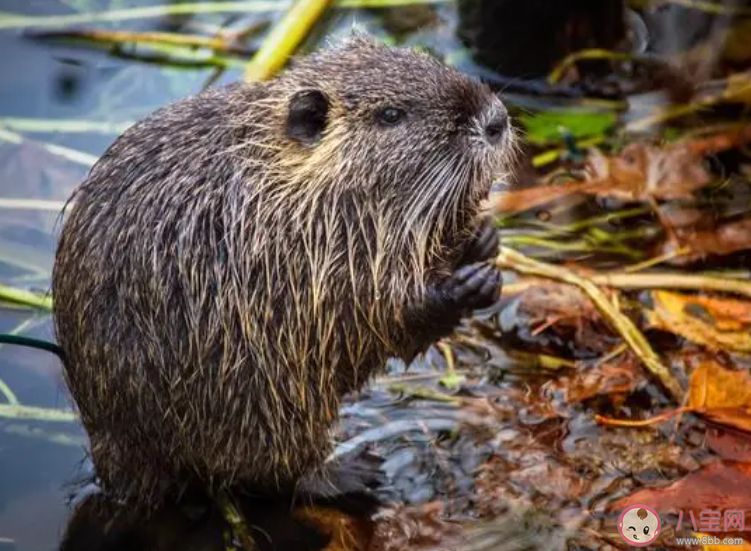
(36, 458)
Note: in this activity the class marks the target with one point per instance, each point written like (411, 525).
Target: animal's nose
(496, 127)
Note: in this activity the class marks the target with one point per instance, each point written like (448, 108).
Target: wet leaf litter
(626, 301)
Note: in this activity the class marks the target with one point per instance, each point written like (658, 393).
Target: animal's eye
(390, 116)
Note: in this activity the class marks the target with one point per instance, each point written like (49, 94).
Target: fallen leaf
(722, 395)
(560, 317)
(714, 143)
(718, 324)
(715, 386)
(729, 444)
(524, 199)
(399, 527)
(721, 240)
(347, 533)
(719, 486)
(643, 172)
(618, 376)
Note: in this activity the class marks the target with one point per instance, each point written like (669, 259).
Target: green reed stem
(21, 296)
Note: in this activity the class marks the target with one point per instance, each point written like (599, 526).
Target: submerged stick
(69, 126)
(32, 204)
(511, 259)
(34, 413)
(65, 152)
(218, 44)
(5, 389)
(31, 343)
(8, 393)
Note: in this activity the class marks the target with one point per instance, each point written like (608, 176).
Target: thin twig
(67, 153)
(641, 423)
(218, 43)
(695, 282)
(593, 53)
(511, 259)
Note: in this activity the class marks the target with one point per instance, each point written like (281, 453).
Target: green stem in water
(31, 343)
(21, 296)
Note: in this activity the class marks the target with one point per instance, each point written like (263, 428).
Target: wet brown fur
(219, 285)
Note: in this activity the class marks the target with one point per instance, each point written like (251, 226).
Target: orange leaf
(347, 533)
(713, 386)
(721, 395)
(703, 321)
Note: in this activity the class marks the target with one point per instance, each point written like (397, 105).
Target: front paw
(483, 245)
(475, 286)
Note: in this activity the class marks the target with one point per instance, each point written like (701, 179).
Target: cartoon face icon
(639, 525)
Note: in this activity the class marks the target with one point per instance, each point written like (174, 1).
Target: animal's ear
(307, 116)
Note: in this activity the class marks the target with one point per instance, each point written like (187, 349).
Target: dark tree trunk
(526, 38)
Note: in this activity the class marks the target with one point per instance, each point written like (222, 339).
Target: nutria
(239, 260)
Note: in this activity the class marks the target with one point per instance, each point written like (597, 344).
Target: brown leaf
(739, 418)
(722, 395)
(414, 527)
(643, 172)
(561, 316)
(729, 444)
(347, 533)
(617, 376)
(718, 324)
(523, 199)
(720, 241)
(718, 486)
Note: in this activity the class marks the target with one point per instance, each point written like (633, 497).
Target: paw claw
(484, 244)
(475, 286)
